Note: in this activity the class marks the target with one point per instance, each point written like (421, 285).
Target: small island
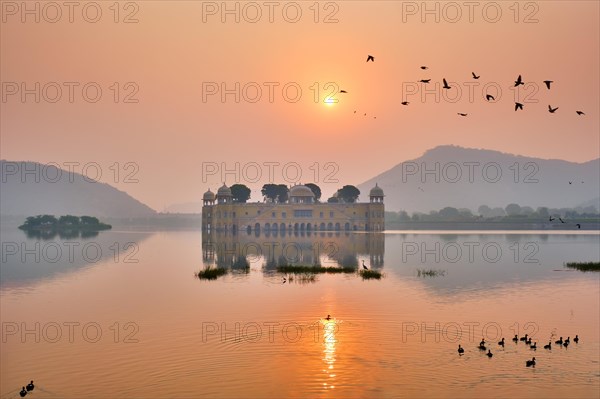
(67, 225)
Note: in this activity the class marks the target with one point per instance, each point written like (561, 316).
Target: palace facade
(300, 213)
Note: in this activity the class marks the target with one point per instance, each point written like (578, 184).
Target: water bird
(482, 341)
(518, 106)
(566, 343)
(528, 342)
(30, 386)
(534, 346)
(404, 103)
(568, 340)
(364, 266)
(549, 346)
(328, 317)
(23, 392)
(501, 343)
(370, 58)
(489, 97)
(446, 86)
(460, 350)
(523, 338)
(559, 342)
(482, 347)
(425, 80)
(424, 67)
(547, 82)
(489, 354)
(580, 113)
(516, 338)
(576, 339)
(552, 110)
(530, 363)
(519, 81)
(461, 114)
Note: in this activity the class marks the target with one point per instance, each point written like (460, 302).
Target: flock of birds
(29, 387)
(489, 97)
(527, 340)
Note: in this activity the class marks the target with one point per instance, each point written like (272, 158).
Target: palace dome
(224, 191)
(376, 191)
(301, 191)
(208, 196)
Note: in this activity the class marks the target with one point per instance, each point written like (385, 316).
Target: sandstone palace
(301, 212)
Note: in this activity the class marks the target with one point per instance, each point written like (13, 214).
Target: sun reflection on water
(329, 347)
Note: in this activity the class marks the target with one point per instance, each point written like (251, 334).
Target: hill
(61, 193)
(467, 178)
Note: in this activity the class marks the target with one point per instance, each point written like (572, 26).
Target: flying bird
(446, 84)
(518, 106)
(425, 80)
(461, 114)
(424, 67)
(343, 91)
(578, 225)
(562, 221)
(354, 111)
(551, 218)
(475, 76)
(489, 97)
(552, 110)
(580, 113)
(570, 182)
(404, 103)
(519, 81)
(370, 58)
(548, 83)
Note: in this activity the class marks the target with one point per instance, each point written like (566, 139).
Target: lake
(122, 314)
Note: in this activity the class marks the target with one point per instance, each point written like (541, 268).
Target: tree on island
(282, 193)
(349, 193)
(89, 220)
(68, 220)
(315, 189)
(275, 192)
(240, 193)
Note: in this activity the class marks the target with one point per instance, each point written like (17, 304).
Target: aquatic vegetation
(584, 266)
(298, 269)
(370, 274)
(430, 273)
(211, 273)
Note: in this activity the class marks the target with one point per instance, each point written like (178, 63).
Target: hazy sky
(179, 50)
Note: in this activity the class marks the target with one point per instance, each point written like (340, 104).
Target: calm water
(122, 315)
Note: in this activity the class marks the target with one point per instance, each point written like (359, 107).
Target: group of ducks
(528, 363)
(26, 389)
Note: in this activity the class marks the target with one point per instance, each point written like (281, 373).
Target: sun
(330, 101)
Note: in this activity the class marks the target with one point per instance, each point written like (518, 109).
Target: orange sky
(170, 52)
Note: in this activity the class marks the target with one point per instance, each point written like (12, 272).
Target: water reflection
(330, 327)
(273, 249)
(28, 257)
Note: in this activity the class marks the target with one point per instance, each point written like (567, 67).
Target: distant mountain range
(71, 193)
(467, 178)
(443, 176)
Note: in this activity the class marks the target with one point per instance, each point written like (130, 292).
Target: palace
(300, 213)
